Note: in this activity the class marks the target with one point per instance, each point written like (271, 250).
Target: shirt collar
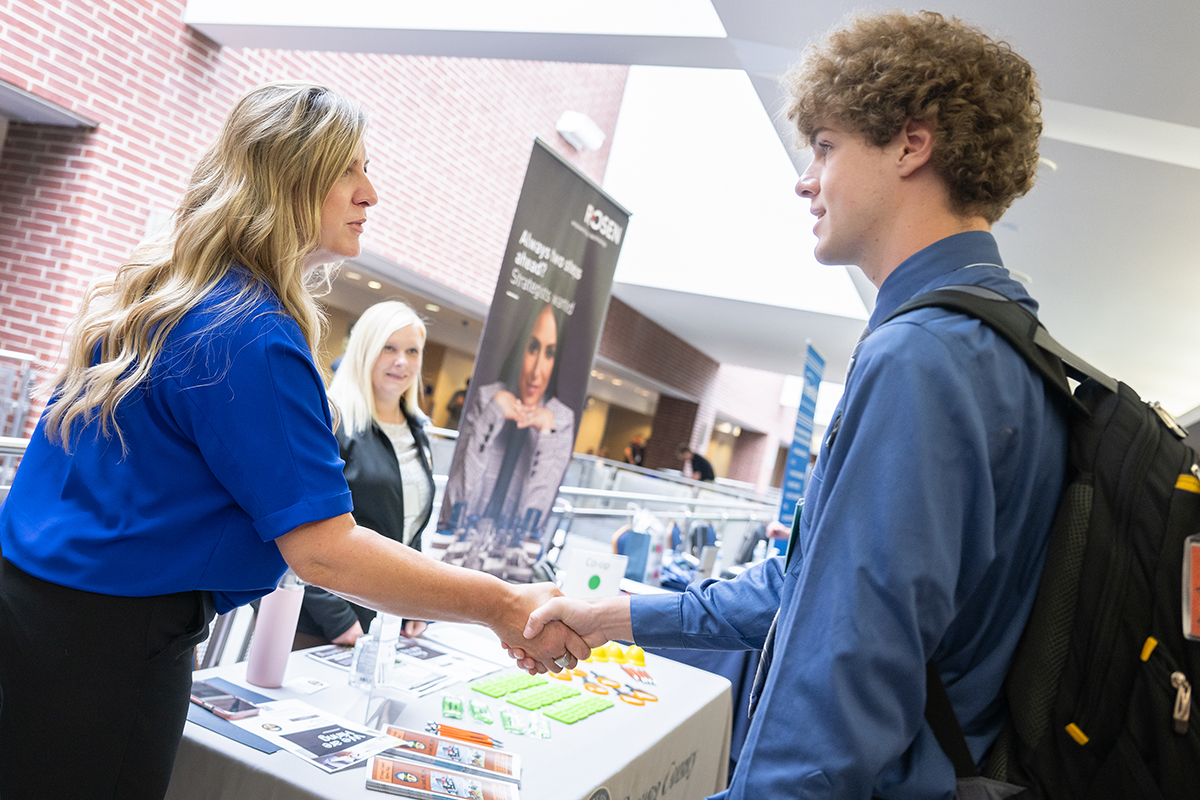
(918, 271)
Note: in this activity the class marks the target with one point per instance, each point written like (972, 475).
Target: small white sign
(592, 574)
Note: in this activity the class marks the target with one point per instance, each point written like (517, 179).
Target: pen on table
(463, 735)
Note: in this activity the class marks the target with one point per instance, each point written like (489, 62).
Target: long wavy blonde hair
(254, 199)
(351, 389)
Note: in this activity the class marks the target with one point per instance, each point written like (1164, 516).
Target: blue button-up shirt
(922, 536)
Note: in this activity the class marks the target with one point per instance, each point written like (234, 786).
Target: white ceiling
(1107, 237)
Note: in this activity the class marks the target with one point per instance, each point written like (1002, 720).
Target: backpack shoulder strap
(941, 717)
(1020, 328)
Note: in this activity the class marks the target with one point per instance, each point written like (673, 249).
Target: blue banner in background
(795, 473)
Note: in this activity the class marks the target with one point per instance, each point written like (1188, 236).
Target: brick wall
(449, 142)
(650, 349)
(748, 397)
(674, 422)
(749, 455)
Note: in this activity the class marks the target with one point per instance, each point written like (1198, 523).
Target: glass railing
(599, 496)
(11, 450)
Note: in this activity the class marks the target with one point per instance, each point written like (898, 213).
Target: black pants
(93, 688)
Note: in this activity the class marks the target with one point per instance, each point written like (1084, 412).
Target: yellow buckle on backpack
(1077, 734)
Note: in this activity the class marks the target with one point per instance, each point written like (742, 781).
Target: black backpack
(1099, 690)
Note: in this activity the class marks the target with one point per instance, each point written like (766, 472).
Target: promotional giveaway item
(456, 755)
(463, 735)
(452, 706)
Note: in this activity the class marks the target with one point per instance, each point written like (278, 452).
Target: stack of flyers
(400, 776)
(457, 756)
(321, 739)
(421, 669)
(334, 655)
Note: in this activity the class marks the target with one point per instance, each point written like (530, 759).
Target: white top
(414, 483)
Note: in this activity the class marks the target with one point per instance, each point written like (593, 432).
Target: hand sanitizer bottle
(366, 656)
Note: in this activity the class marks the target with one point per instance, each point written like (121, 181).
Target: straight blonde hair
(351, 390)
(254, 199)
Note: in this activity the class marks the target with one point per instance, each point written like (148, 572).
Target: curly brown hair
(880, 71)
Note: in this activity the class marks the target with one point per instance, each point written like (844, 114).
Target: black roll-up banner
(531, 372)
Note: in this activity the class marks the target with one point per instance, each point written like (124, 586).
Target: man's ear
(916, 146)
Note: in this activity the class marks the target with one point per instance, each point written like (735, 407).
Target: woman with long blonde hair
(187, 457)
(383, 443)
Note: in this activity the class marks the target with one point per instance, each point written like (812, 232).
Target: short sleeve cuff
(288, 519)
(657, 619)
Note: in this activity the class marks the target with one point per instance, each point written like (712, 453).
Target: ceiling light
(617, 382)
(433, 307)
(375, 284)
(354, 276)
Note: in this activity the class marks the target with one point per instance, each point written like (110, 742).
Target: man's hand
(544, 650)
(595, 621)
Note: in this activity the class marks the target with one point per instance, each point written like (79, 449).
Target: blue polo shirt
(227, 446)
(923, 535)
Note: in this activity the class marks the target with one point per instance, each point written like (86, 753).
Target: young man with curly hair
(924, 529)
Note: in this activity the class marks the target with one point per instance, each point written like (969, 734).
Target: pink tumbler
(274, 632)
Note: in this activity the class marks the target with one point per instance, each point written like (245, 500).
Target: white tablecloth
(674, 749)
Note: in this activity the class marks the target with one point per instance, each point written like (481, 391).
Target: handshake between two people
(561, 631)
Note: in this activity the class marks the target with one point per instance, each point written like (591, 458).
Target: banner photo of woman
(529, 385)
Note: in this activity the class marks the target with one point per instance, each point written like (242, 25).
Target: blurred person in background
(695, 466)
(455, 406)
(382, 439)
(635, 451)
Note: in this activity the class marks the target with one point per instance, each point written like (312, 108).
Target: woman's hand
(508, 403)
(595, 621)
(525, 416)
(538, 417)
(372, 570)
(350, 635)
(554, 647)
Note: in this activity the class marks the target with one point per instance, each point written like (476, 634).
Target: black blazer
(373, 474)
(374, 477)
